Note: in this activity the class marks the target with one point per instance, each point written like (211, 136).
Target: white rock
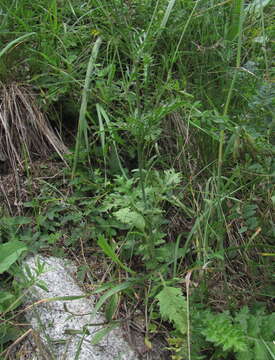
(50, 319)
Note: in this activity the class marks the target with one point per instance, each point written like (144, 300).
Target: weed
(173, 165)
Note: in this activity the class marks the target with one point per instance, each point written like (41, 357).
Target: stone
(60, 323)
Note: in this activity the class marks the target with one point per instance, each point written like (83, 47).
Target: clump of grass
(24, 129)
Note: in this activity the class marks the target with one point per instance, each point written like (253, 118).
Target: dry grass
(24, 130)
(27, 185)
(25, 135)
(179, 141)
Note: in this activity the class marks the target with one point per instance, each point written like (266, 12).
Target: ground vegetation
(137, 138)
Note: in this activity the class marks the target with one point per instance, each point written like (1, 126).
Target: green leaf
(256, 6)
(42, 285)
(102, 242)
(114, 290)
(220, 330)
(173, 307)
(130, 217)
(9, 253)
(6, 298)
(8, 333)
(20, 220)
(236, 14)
(172, 177)
(111, 307)
(99, 335)
(14, 42)
(270, 349)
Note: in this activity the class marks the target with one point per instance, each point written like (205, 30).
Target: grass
(24, 128)
(172, 169)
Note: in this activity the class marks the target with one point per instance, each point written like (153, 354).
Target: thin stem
(140, 168)
(238, 59)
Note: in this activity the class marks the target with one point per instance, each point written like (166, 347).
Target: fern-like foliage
(246, 335)
(220, 330)
(173, 307)
(258, 328)
(130, 217)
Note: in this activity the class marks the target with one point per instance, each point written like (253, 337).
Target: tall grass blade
(82, 123)
(102, 242)
(103, 332)
(114, 290)
(103, 115)
(182, 35)
(238, 57)
(256, 7)
(234, 27)
(167, 13)
(15, 42)
(102, 135)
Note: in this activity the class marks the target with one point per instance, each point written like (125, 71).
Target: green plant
(11, 296)
(245, 334)
(144, 219)
(150, 86)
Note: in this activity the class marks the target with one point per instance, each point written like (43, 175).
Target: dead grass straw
(24, 130)
(25, 135)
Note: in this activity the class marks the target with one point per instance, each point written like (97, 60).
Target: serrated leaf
(172, 177)
(130, 217)
(242, 318)
(220, 330)
(173, 307)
